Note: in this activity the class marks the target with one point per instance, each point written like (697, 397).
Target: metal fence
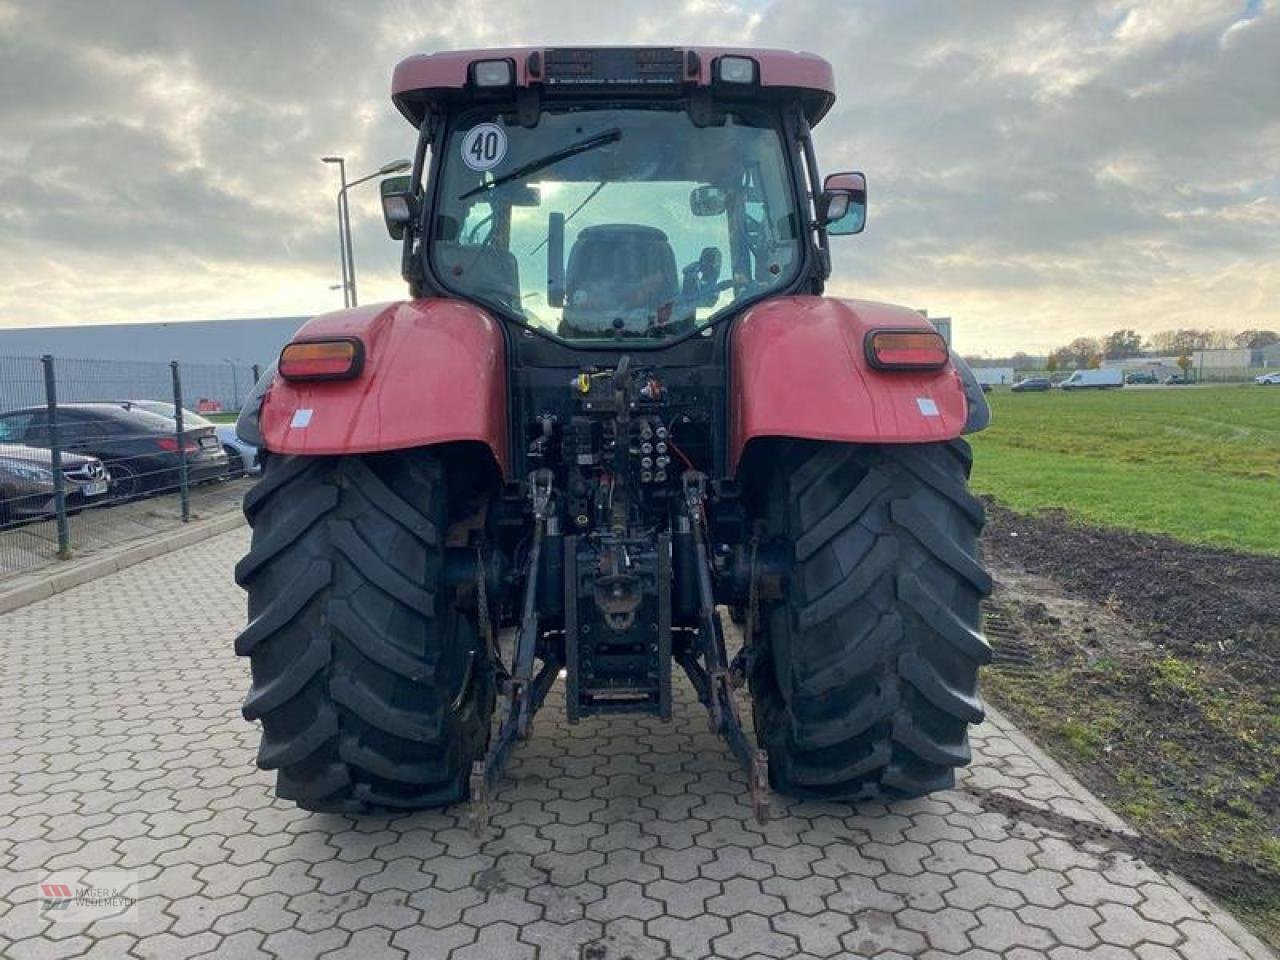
(97, 452)
(1229, 374)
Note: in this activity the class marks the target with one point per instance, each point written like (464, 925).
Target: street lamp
(342, 247)
(344, 218)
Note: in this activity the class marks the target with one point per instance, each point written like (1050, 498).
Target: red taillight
(906, 350)
(170, 445)
(321, 360)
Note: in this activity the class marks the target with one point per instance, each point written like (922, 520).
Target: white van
(1103, 379)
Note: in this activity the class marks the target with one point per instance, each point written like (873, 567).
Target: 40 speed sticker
(484, 146)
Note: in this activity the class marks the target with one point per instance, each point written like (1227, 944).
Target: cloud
(1036, 170)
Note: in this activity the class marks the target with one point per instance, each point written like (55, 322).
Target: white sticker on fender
(301, 418)
(927, 407)
(484, 146)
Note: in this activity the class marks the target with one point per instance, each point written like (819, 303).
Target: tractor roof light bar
(421, 79)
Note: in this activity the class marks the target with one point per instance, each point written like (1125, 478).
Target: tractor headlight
(736, 70)
(492, 73)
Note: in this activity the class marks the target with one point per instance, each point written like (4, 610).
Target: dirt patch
(1192, 598)
(1225, 875)
(1151, 669)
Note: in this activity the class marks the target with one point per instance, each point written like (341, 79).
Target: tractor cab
(614, 197)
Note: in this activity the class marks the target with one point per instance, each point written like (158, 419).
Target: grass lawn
(1200, 463)
(221, 417)
(1174, 723)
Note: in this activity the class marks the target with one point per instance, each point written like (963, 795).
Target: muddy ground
(1151, 669)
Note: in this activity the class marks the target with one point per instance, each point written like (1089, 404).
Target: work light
(396, 208)
(736, 70)
(492, 73)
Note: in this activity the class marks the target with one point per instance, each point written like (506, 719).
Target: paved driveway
(123, 748)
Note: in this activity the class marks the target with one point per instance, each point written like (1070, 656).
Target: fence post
(55, 459)
(184, 492)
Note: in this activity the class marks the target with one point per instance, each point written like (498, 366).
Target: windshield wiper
(533, 166)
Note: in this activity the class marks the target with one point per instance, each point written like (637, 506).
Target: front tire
(126, 484)
(373, 688)
(867, 681)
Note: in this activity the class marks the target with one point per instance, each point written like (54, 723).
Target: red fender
(434, 371)
(799, 369)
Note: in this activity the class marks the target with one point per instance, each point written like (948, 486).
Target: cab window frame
(806, 273)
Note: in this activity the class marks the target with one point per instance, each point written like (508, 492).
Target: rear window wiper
(533, 166)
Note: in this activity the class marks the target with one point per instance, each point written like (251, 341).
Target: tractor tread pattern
(285, 605)
(284, 686)
(378, 572)
(868, 682)
(365, 676)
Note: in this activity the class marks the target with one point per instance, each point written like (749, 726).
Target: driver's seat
(617, 276)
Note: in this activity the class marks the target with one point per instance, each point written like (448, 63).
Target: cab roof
(420, 80)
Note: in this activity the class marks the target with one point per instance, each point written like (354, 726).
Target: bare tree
(1256, 339)
(1121, 344)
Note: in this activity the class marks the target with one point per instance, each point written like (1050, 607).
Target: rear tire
(373, 688)
(236, 467)
(868, 680)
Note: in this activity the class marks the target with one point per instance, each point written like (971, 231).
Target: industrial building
(941, 324)
(239, 341)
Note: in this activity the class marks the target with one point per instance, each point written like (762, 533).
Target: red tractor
(616, 402)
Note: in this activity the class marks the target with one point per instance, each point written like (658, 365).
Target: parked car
(1176, 380)
(1141, 377)
(242, 457)
(1032, 385)
(27, 488)
(1100, 379)
(138, 448)
(1268, 379)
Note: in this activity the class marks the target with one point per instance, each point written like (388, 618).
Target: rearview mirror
(707, 201)
(399, 205)
(842, 205)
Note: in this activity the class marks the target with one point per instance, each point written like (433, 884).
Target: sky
(1037, 171)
